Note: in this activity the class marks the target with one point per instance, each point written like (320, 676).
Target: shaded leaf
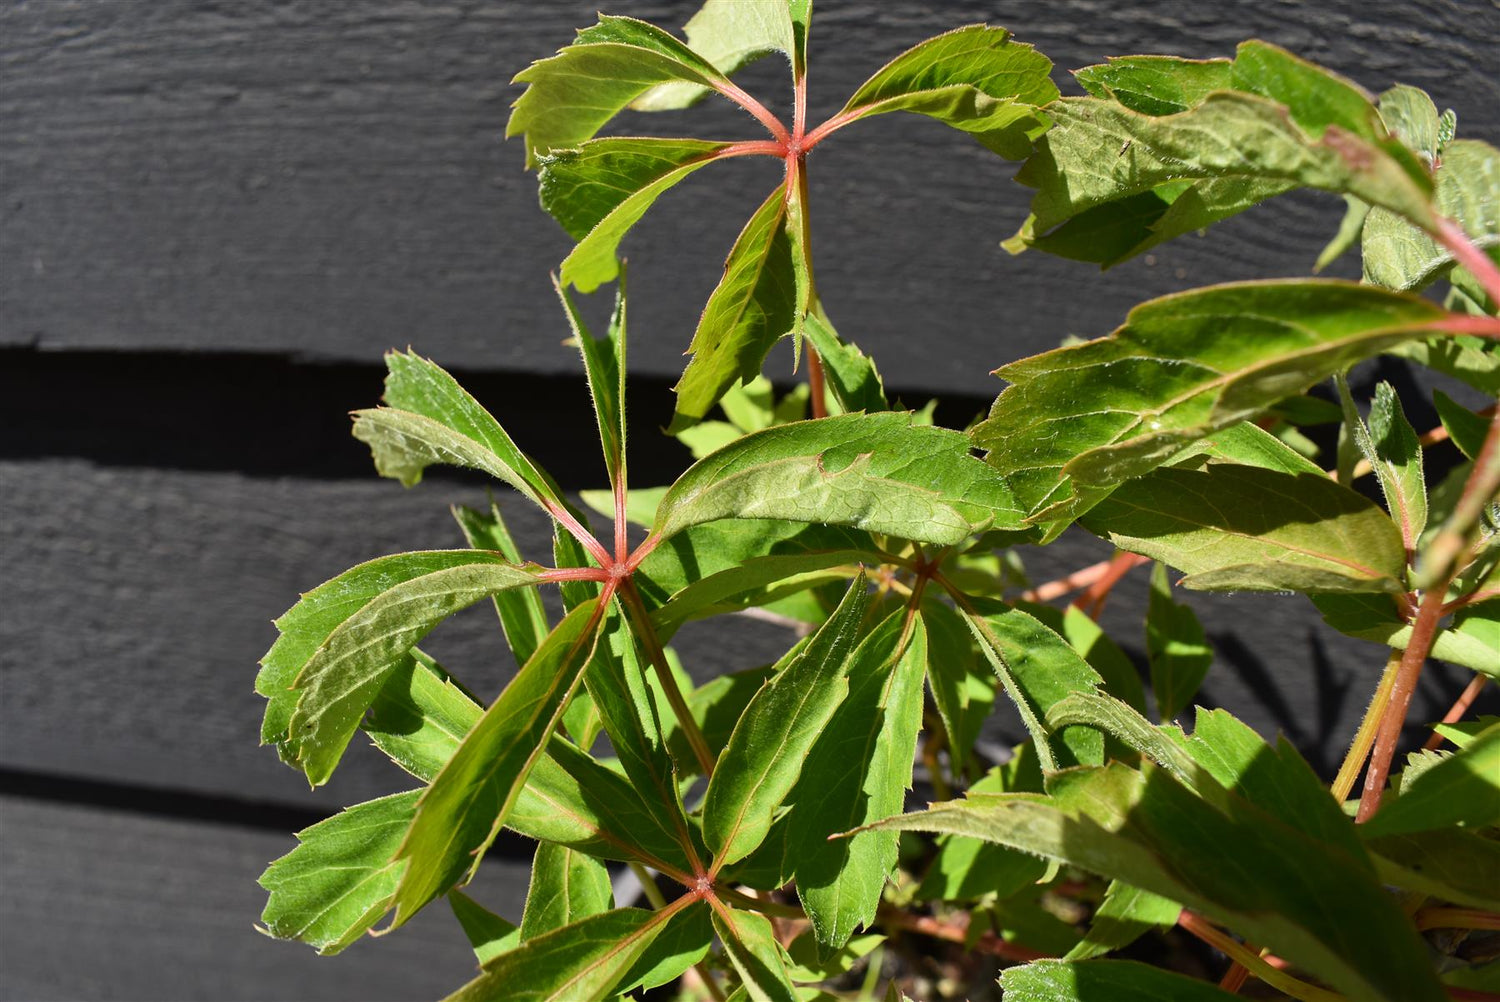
(1374, 617)
(571, 95)
(488, 933)
(342, 640)
(600, 190)
(1116, 980)
(683, 942)
(522, 616)
(1446, 863)
(975, 79)
(581, 962)
(1078, 420)
(341, 878)
(1241, 527)
(877, 472)
(1462, 789)
(765, 755)
(1178, 651)
(1126, 914)
(963, 691)
(430, 419)
(1146, 830)
(1465, 428)
(808, 966)
(1156, 85)
(1390, 445)
(566, 886)
(1121, 678)
(420, 715)
(463, 810)
(858, 772)
(757, 957)
(604, 365)
(756, 303)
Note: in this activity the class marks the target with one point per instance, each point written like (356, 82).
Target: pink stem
(578, 532)
(773, 124)
(1460, 323)
(1453, 237)
(827, 128)
(574, 574)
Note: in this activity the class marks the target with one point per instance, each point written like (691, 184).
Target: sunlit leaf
(756, 955)
(1115, 980)
(731, 34)
(1126, 914)
(488, 933)
(566, 886)
(1398, 255)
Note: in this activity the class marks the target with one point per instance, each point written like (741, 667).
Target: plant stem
(955, 932)
(1454, 538)
(1478, 263)
(773, 124)
(644, 629)
(1081, 578)
(1359, 748)
(1456, 918)
(1092, 600)
(1253, 962)
(1459, 708)
(648, 885)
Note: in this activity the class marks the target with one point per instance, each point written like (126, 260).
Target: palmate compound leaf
(585, 961)
(769, 745)
(463, 809)
(598, 191)
(429, 419)
(1115, 980)
(1264, 879)
(341, 878)
(731, 34)
(877, 472)
(571, 95)
(1078, 420)
(340, 642)
(1233, 527)
(1168, 146)
(976, 79)
(858, 772)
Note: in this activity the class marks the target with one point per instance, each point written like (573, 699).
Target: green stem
(646, 632)
(648, 885)
(1359, 748)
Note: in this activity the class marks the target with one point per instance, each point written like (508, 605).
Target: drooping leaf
(341, 878)
(1398, 255)
(463, 810)
(604, 365)
(488, 933)
(1160, 744)
(766, 752)
(859, 771)
(598, 191)
(1115, 980)
(420, 715)
(878, 472)
(975, 79)
(1037, 668)
(1078, 420)
(1351, 229)
(571, 95)
(1178, 651)
(968, 869)
(756, 955)
(731, 34)
(852, 377)
(1241, 527)
(522, 615)
(755, 304)
(1411, 116)
(340, 642)
(1126, 914)
(566, 887)
(429, 419)
(1462, 789)
(581, 962)
(1145, 829)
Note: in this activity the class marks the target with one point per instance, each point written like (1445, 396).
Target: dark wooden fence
(215, 217)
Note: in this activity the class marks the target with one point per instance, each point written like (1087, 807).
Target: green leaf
(731, 34)
(963, 691)
(1273, 888)
(1160, 744)
(571, 95)
(1398, 255)
(1156, 85)
(341, 878)
(852, 377)
(756, 955)
(1411, 117)
(683, 942)
(878, 472)
(975, 79)
(1473, 360)
(717, 706)
(1126, 914)
(581, 962)
(1462, 732)
(808, 966)
(566, 887)
(1393, 451)
(1121, 678)
(522, 616)
(756, 304)
(1078, 420)
(765, 754)
(1473, 645)
(1464, 427)
(1463, 789)
(488, 933)
(858, 772)
(1241, 527)
(1115, 980)
(343, 639)
(463, 810)
(420, 715)
(604, 365)
(1176, 648)
(1447, 863)
(1037, 669)
(1351, 229)
(431, 419)
(600, 190)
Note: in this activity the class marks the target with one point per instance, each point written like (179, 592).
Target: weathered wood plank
(329, 180)
(102, 904)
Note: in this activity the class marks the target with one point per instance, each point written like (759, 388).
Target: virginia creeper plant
(766, 810)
